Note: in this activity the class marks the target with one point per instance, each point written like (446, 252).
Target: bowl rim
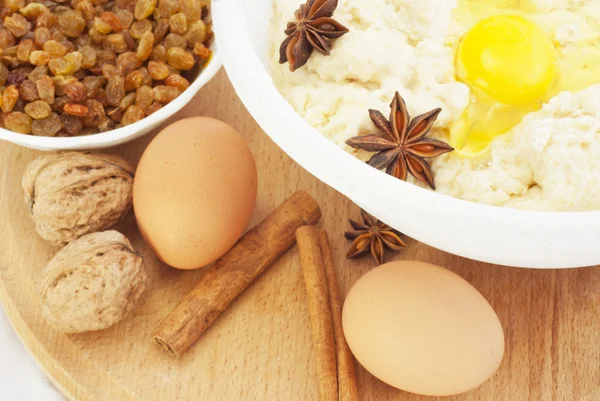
(279, 117)
(128, 132)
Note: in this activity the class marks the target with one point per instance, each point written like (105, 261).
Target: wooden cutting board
(260, 348)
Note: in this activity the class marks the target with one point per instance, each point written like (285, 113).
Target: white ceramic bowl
(491, 234)
(124, 134)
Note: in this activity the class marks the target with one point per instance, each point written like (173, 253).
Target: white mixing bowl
(124, 134)
(490, 234)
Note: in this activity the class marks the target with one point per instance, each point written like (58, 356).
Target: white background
(20, 377)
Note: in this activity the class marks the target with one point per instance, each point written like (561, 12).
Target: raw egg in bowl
(492, 234)
(513, 67)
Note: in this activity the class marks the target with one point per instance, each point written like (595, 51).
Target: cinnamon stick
(233, 273)
(320, 311)
(346, 370)
(335, 363)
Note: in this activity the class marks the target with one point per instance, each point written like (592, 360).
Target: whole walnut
(92, 283)
(73, 194)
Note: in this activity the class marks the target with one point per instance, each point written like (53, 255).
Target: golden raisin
(75, 59)
(202, 51)
(115, 43)
(133, 80)
(95, 115)
(160, 29)
(46, 20)
(178, 82)
(127, 101)
(167, 7)
(58, 66)
(144, 97)
(145, 46)
(33, 10)
(41, 35)
(86, 9)
(38, 109)
(58, 35)
(154, 107)
(7, 39)
(138, 28)
(10, 52)
(96, 36)
(102, 97)
(128, 62)
(102, 26)
(26, 46)
(18, 122)
(191, 8)
(178, 23)
(108, 70)
(125, 16)
(88, 59)
(37, 73)
(17, 25)
(147, 79)
(28, 91)
(115, 90)
(9, 98)
(159, 53)
(75, 109)
(39, 57)
(55, 49)
(196, 33)
(76, 91)
(173, 40)
(165, 94)
(45, 89)
(179, 58)
(132, 115)
(71, 124)
(112, 19)
(144, 9)
(14, 5)
(158, 70)
(93, 84)
(61, 81)
(82, 41)
(71, 23)
(49, 126)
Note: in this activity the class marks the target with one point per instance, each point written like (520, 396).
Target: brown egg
(194, 191)
(422, 329)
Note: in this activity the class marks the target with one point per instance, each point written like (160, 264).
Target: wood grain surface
(260, 349)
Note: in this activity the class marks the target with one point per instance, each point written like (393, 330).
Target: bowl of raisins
(84, 74)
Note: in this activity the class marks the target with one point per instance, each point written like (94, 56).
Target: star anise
(404, 146)
(372, 235)
(311, 31)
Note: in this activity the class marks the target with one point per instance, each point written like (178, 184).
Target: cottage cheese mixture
(549, 160)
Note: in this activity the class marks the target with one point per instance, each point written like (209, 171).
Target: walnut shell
(92, 283)
(73, 194)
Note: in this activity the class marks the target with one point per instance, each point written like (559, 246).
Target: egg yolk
(508, 58)
(511, 66)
